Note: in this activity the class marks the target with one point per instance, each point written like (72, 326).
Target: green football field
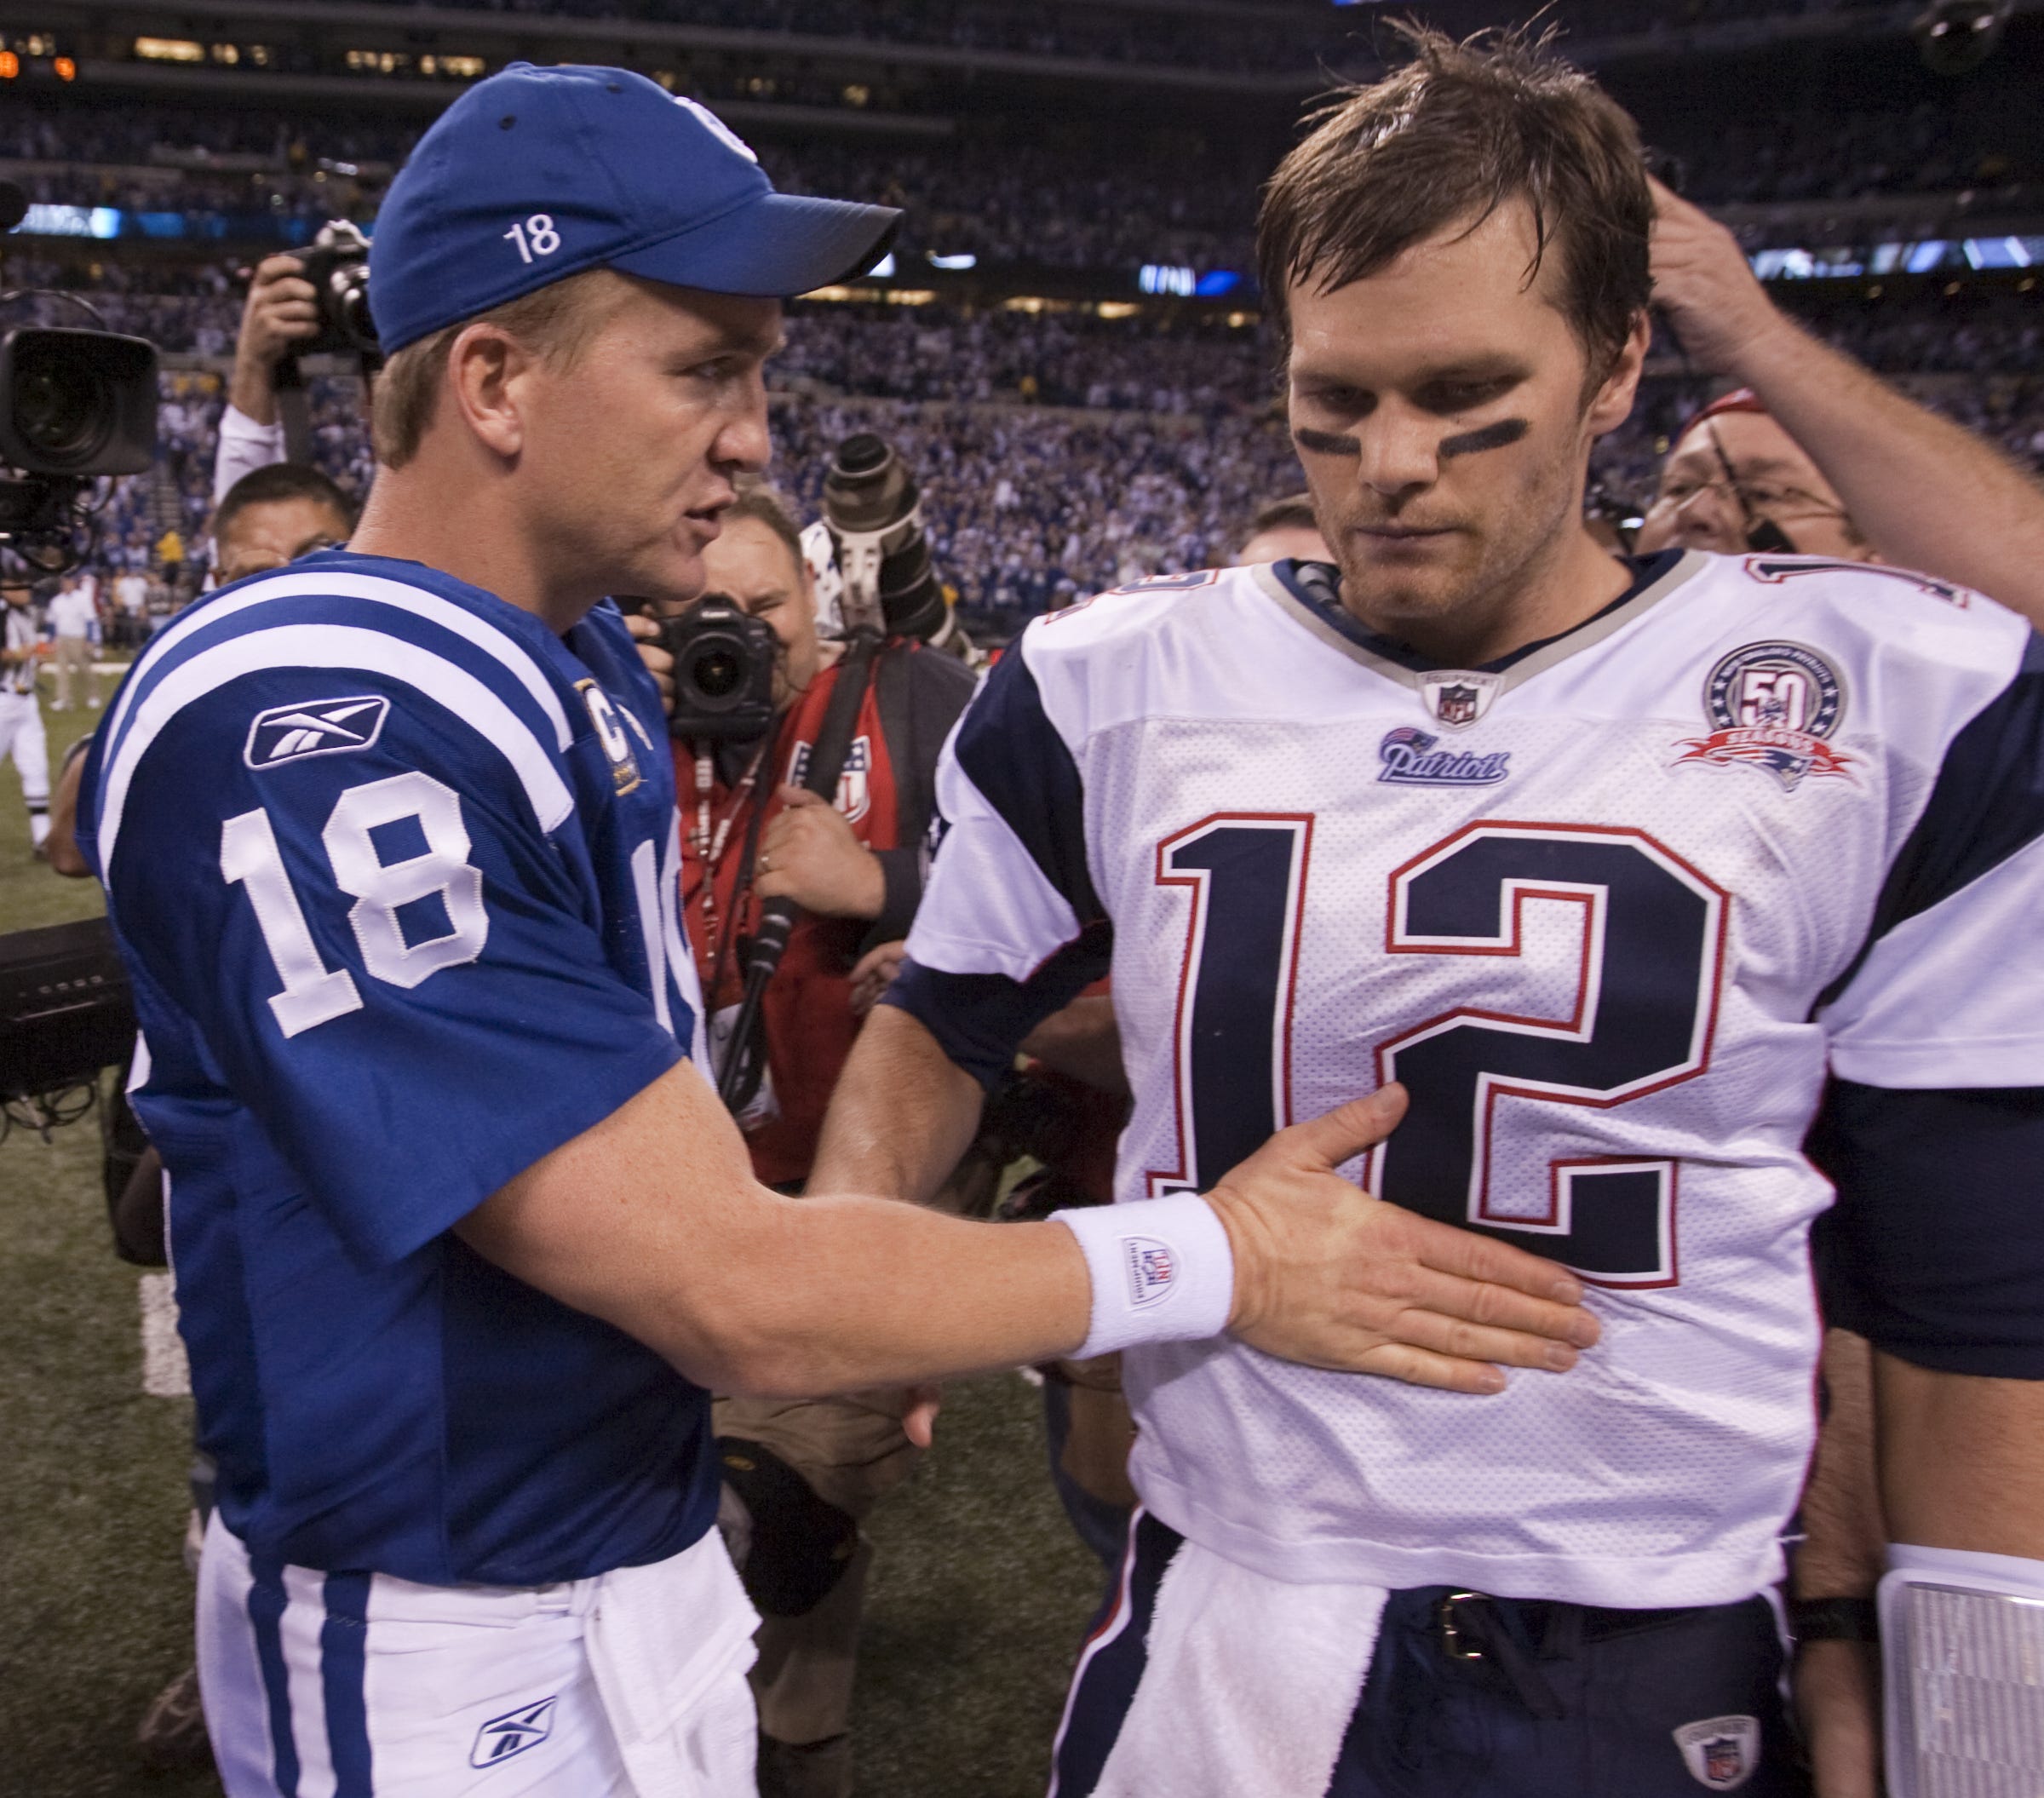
(979, 1598)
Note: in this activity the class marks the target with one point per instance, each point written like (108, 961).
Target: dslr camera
(74, 405)
(337, 265)
(724, 663)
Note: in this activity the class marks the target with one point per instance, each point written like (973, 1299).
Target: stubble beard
(1471, 602)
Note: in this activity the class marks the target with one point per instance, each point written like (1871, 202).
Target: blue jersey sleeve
(369, 892)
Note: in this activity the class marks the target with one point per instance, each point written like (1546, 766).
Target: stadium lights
(1956, 36)
(957, 264)
(1928, 255)
(883, 270)
(72, 221)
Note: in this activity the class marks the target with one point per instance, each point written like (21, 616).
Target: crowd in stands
(1927, 149)
(1065, 360)
(1026, 505)
(1290, 34)
(1172, 200)
(1060, 450)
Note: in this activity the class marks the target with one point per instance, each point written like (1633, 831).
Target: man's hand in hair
(1705, 286)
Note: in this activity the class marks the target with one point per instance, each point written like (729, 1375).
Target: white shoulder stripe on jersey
(1917, 1014)
(340, 585)
(988, 907)
(335, 645)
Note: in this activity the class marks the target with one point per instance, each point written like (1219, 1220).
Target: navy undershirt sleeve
(979, 1019)
(1935, 1249)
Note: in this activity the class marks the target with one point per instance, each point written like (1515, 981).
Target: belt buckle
(1451, 1633)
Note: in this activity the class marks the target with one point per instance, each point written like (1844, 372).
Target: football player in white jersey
(463, 1242)
(1631, 874)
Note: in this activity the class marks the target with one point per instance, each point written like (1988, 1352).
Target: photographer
(281, 313)
(805, 1471)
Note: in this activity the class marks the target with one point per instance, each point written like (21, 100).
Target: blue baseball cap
(538, 174)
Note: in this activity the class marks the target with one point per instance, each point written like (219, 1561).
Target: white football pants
(631, 1685)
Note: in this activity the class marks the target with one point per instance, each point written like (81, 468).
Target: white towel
(1248, 1687)
(669, 1645)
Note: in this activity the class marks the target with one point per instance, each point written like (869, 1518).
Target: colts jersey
(395, 870)
(1612, 909)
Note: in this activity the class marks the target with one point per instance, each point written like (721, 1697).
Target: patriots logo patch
(324, 727)
(513, 1733)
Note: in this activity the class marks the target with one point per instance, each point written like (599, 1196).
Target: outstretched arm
(1926, 493)
(902, 1114)
(652, 1221)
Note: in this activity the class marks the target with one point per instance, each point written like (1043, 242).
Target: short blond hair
(557, 321)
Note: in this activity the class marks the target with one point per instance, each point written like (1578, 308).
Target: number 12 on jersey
(1644, 1015)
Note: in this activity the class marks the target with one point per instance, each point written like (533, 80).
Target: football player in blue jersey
(1636, 877)
(463, 1240)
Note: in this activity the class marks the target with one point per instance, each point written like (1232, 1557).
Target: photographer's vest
(807, 1008)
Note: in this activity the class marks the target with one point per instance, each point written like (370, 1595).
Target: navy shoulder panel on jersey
(980, 1020)
(1935, 1249)
(1987, 803)
(1009, 750)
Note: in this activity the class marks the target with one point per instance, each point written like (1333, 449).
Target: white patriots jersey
(1612, 911)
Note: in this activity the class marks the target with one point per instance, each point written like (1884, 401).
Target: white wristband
(1162, 1271)
(1974, 1568)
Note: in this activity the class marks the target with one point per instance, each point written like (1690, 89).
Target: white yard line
(165, 1372)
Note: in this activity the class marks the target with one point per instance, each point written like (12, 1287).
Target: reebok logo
(513, 1733)
(324, 727)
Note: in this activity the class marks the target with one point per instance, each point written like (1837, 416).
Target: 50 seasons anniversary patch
(1772, 707)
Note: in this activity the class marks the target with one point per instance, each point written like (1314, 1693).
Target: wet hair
(1459, 131)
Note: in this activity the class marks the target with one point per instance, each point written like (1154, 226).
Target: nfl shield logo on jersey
(1773, 705)
(1458, 699)
(854, 789)
(324, 727)
(1720, 1753)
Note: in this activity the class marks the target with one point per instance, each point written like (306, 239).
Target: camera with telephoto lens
(871, 504)
(337, 265)
(74, 405)
(724, 663)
